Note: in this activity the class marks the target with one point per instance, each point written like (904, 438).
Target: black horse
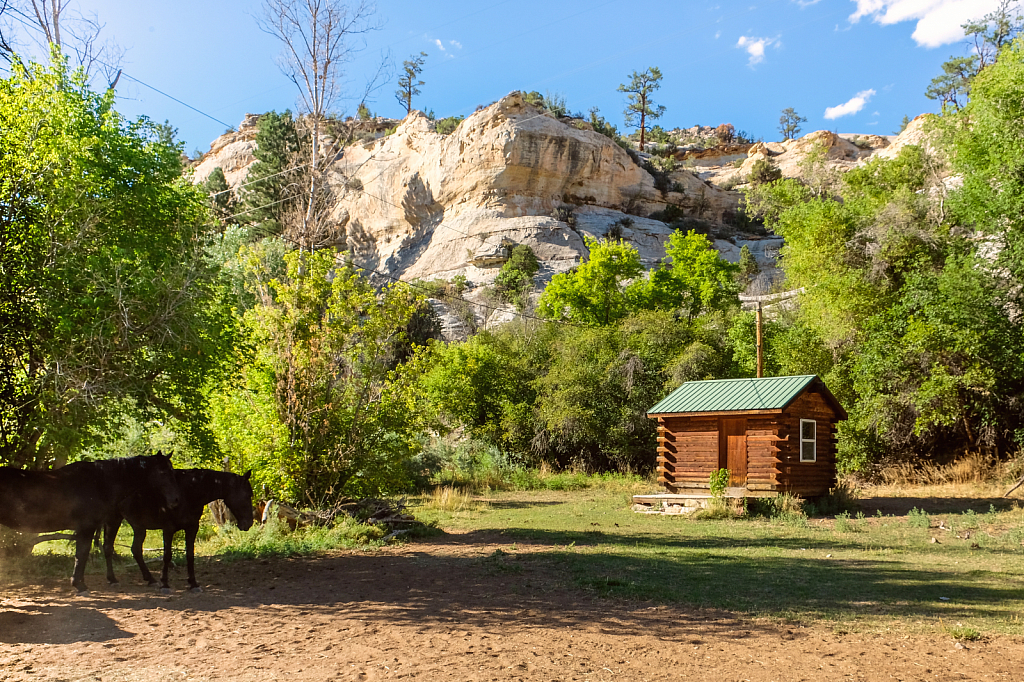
(198, 488)
(81, 497)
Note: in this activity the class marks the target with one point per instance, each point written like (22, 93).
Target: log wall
(688, 449)
(808, 478)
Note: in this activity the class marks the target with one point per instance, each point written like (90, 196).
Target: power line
(27, 21)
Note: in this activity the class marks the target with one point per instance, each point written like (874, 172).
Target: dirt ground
(434, 610)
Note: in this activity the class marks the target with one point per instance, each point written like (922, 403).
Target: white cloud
(455, 43)
(439, 44)
(855, 104)
(938, 21)
(718, 34)
(755, 47)
(807, 3)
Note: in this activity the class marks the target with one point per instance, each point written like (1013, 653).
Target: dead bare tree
(320, 38)
(56, 24)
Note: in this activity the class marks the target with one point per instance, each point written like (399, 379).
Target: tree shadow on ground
(900, 506)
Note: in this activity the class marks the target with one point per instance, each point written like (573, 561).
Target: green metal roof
(735, 395)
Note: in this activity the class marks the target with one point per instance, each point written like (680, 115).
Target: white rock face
(417, 204)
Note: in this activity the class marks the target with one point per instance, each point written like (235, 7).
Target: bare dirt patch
(444, 609)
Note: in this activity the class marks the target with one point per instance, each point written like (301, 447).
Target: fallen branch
(1019, 484)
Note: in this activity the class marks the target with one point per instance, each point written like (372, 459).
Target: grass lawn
(879, 572)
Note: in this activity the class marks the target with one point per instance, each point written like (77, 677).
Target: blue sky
(847, 65)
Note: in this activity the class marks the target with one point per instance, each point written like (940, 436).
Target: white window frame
(813, 441)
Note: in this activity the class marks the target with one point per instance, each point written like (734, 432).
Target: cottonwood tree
(789, 123)
(409, 81)
(109, 308)
(640, 108)
(985, 39)
(320, 38)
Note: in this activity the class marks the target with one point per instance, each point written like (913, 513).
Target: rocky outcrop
(418, 204)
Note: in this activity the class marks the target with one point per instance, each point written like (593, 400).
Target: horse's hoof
(113, 583)
(152, 583)
(165, 590)
(83, 592)
(195, 589)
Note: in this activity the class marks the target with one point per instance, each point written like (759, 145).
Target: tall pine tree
(272, 187)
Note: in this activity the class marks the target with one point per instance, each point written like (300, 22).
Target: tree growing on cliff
(408, 82)
(639, 107)
(789, 123)
(985, 39)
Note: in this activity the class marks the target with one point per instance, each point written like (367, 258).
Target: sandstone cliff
(418, 204)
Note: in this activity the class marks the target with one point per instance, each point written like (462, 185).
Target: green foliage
(108, 309)
(903, 125)
(363, 112)
(789, 123)
(918, 518)
(718, 482)
(514, 281)
(408, 82)
(640, 108)
(446, 126)
(270, 191)
(764, 171)
(748, 266)
(985, 39)
(696, 278)
(605, 128)
(222, 201)
(594, 293)
(324, 343)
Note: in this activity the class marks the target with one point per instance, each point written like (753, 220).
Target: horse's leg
(168, 542)
(138, 540)
(83, 543)
(109, 535)
(190, 556)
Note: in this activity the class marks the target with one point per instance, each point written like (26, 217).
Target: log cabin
(774, 435)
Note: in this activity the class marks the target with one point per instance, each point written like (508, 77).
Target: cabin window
(808, 440)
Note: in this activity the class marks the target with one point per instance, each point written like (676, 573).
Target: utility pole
(760, 301)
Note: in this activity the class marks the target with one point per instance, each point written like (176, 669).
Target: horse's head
(238, 498)
(158, 478)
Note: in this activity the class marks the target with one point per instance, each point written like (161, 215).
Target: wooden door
(732, 449)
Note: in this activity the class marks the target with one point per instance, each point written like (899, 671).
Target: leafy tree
(109, 307)
(984, 145)
(515, 279)
(903, 125)
(408, 82)
(363, 112)
(324, 341)
(640, 108)
(789, 123)
(272, 185)
(594, 293)
(985, 40)
(697, 279)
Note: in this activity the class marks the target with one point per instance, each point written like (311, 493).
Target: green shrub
(719, 481)
(918, 518)
(764, 172)
(446, 126)
(670, 214)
